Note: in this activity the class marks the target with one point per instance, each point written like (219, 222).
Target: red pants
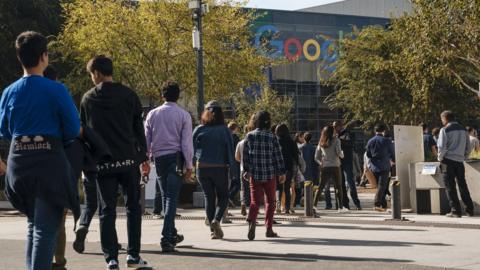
(257, 192)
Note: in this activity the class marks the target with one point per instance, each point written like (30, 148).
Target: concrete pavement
(356, 240)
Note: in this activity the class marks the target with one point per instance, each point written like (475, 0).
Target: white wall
(369, 8)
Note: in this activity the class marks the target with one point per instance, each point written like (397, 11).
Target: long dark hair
(327, 136)
(286, 141)
(282, 131)
(213, 117)
(262, 120)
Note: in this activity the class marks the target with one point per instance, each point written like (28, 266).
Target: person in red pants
(262, 164)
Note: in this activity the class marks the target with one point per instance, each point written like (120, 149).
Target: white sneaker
(136, 263)
(112, 265)
(343, 210)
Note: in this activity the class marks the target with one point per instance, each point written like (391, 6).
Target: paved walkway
(356, 240)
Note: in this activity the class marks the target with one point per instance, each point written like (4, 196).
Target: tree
(150, 42)
(407, 73)
(246, 104)
(18, 16)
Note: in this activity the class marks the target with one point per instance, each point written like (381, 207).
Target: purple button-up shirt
(168, 130)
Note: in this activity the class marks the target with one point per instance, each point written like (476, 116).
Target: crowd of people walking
(112, 144)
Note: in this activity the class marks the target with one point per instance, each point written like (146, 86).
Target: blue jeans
(43, 226)
(347, 175)
(170, 184)
(214, 182)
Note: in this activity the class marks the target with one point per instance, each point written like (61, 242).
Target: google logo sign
(293, 49)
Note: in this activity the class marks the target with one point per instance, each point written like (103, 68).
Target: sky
(287, 4)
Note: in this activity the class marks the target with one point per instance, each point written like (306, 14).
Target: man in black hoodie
(114, 111)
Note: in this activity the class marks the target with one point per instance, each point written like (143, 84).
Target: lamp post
(198, 10)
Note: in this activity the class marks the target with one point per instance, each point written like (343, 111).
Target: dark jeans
(170, 185)
(285, 187)
(91, 199)
(214, 182)
(107, 188)
(43, 226)
(347, 176)
(298, 193)
(451, 170)
(235, 184)
(157, 202)
(245, 192)
(328, 195)
(329, 173)
(383, 180)
(235, 187)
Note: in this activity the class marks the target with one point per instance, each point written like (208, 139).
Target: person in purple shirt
(168, 130)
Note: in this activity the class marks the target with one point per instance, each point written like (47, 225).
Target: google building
(308, 42)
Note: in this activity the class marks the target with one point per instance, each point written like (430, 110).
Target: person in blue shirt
(429, 144)
(39, 117)
(381, 154)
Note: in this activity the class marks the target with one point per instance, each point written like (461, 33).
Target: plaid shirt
(262, 156)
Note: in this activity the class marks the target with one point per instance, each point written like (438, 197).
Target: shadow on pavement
(348, 242)
(342, 227)
(245, 255)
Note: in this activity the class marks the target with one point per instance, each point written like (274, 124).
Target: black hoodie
(114, 112)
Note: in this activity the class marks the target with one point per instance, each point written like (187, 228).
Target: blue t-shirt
(34, 105)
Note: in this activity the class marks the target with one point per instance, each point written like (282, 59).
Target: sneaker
(217, 230)
(343, 210)
(274, 222)
(359, 208)
(453, 215)
(113, 265)
(251, 230)
(168, 248)
(59, 266)
(137, 263)
(379, 209)
(178, 239)
(243, 210)
(79, 243)
(226, 220)
(470, 212)
(157, 216)
(271, 234)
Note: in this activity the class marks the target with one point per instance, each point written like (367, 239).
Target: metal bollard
(396, 201)
(308, 201)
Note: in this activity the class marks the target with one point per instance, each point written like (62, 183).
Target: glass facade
(308, 43)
